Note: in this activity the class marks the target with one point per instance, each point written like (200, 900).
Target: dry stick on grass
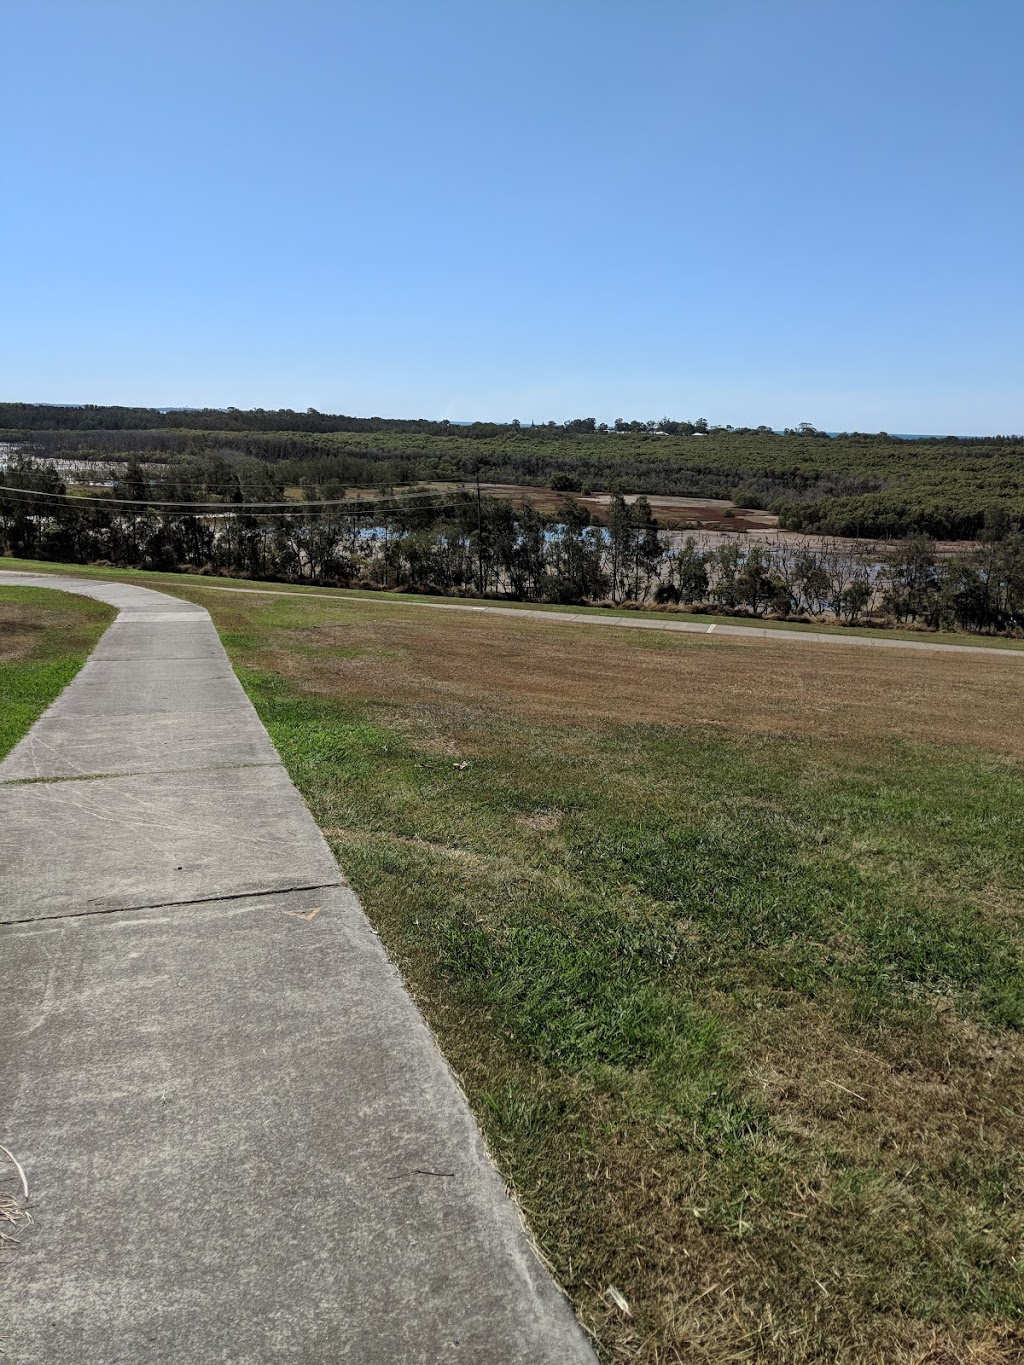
(845, 1091)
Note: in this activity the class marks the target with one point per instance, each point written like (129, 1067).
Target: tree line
(851, 484)
(465, 543)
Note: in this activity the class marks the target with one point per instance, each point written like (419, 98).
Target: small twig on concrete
(17, 1166)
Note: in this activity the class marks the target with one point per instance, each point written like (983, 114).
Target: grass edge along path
(48, 636)
(738, 1015)
(624, 616)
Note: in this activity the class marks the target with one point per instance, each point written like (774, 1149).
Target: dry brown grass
(17, 638)
(580, 674)
(26, 626)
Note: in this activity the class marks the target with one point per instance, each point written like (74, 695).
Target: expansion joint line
(149, 772)
(179, 905)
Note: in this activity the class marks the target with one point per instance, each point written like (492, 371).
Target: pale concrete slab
(62, 745)
(181, 613)
(132, 687)
(78, 847)
(241, 1140)
(192, 638)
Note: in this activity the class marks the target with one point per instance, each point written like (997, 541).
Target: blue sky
(749, 210)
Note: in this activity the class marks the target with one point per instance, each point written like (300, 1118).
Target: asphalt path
(240, 1139)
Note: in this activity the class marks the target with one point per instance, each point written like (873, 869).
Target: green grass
(172, 580)
(46, 637)
(739, 1014)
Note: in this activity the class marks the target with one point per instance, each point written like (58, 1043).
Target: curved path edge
(241, 1141)
(635, 621)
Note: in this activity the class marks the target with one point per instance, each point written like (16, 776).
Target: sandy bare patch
(542, 821)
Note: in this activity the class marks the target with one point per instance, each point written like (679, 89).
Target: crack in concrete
(148, 772)
(172, 905)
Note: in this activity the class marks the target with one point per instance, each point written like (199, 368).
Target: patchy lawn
(45, 637)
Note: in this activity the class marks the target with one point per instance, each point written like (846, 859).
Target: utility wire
(356, 505)
(228, 510)
(416, 486)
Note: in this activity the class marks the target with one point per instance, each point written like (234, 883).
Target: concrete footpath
(240, 1139)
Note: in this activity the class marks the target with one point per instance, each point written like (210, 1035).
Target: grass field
(723, 939)
(45, 637)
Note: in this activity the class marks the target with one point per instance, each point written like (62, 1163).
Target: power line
(26, 498)
(191, 506)
(235, 485)
(352, 505)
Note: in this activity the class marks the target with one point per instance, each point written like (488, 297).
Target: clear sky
(748, 210)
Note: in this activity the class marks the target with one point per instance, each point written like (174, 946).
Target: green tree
(690, 572)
